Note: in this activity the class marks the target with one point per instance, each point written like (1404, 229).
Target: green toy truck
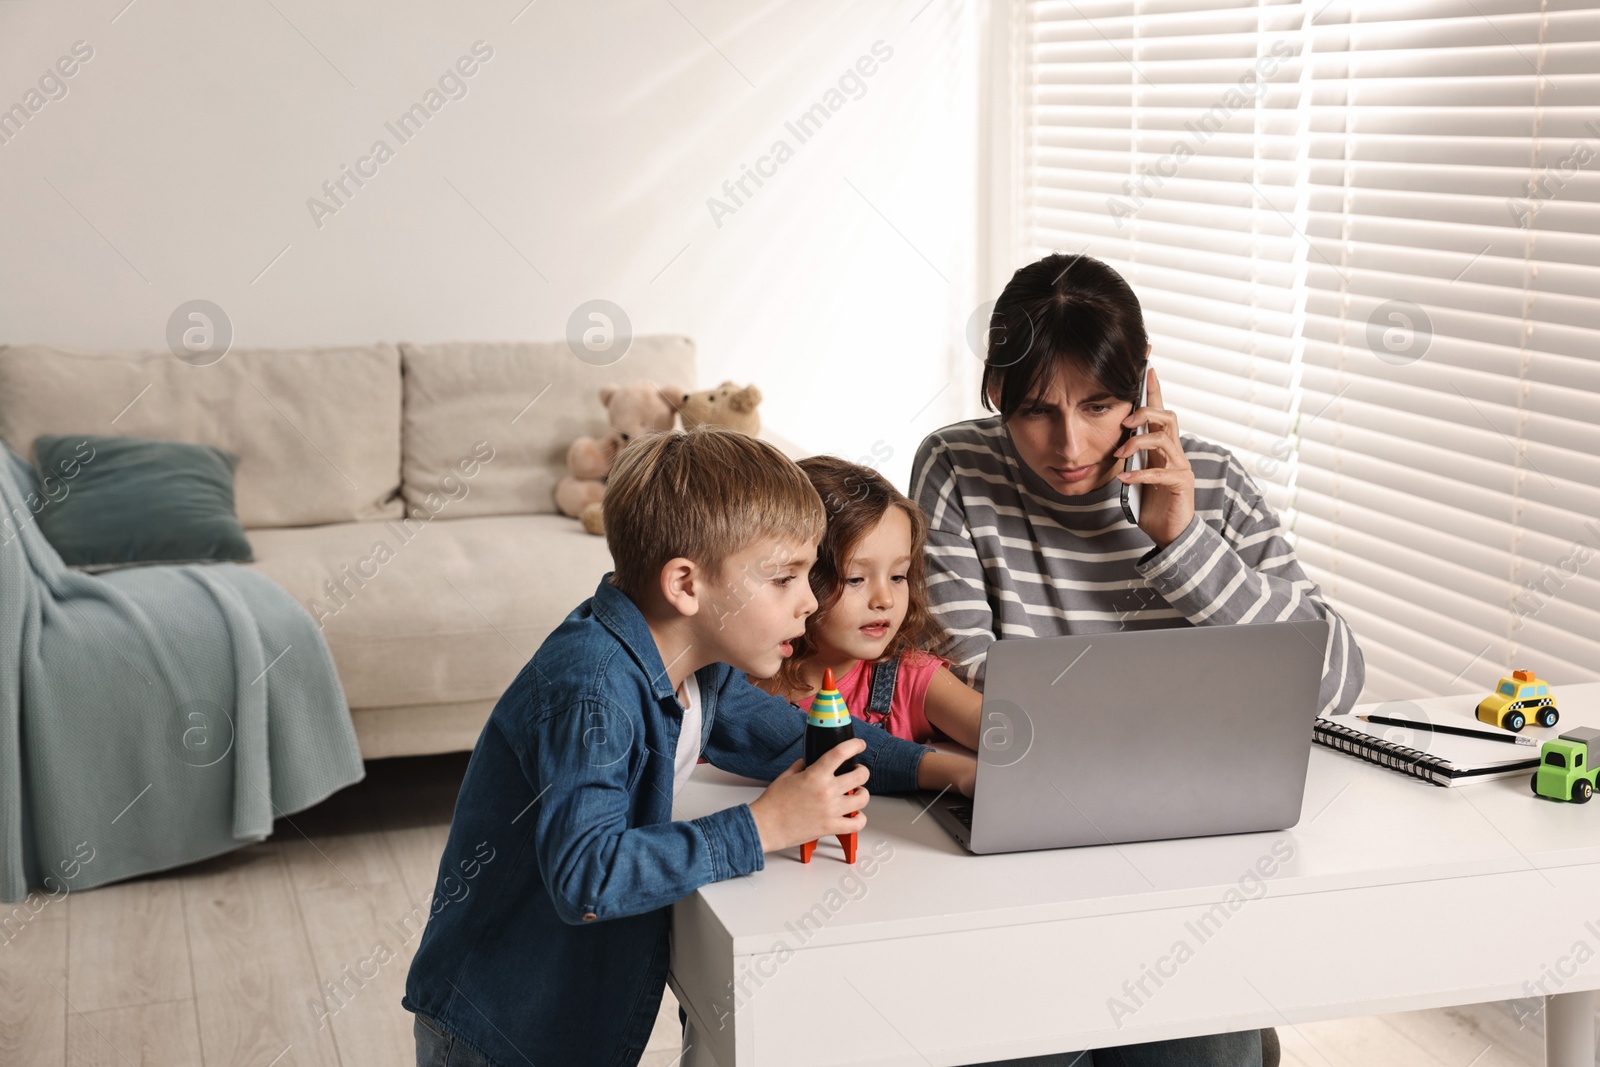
(1567, 766)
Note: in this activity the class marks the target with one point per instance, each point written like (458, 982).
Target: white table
(1396, 895)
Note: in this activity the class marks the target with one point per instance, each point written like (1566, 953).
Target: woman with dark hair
(1026, 533)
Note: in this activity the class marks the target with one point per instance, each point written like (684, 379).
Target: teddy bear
(727, 406)
(632, 409)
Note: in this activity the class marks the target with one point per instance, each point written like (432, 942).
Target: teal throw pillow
(114, 501)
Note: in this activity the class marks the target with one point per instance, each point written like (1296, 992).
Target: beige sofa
(402, 493)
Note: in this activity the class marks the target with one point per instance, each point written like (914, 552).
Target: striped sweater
(1009, 557)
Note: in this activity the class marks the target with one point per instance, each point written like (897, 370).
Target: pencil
(1459, 731)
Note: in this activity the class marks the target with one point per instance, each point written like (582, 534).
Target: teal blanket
(152, 716)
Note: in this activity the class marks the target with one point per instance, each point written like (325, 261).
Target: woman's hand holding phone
(1166, 504)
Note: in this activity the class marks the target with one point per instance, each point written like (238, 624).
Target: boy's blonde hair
(703, 495)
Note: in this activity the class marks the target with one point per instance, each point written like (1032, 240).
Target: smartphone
(1130, 493)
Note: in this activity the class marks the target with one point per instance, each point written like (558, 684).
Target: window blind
(1367, 240)
(1153, 131)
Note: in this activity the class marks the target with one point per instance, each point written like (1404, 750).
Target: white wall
(179, 163)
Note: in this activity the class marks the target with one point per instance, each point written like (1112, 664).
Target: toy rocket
(828, 724)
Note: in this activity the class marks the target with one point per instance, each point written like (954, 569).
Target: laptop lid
(1145, 734)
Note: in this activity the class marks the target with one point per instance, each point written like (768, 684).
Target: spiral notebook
(1447, 761)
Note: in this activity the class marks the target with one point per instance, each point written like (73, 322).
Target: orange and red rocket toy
(828, 724)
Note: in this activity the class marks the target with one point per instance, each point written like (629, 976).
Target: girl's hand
(1166, 503)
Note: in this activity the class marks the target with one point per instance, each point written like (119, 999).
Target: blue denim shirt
(548, 938)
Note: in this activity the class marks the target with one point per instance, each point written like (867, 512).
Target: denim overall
(881, 691)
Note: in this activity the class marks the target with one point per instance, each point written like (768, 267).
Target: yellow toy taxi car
(1519, 697)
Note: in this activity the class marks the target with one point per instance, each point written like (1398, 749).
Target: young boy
(551, 946)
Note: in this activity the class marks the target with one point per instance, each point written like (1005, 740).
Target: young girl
(872, 619)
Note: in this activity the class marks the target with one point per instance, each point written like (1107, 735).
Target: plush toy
(632, 409)
(726, 406)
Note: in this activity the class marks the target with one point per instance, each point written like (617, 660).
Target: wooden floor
(227, 963)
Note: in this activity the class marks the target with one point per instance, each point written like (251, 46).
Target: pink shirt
(907, 717)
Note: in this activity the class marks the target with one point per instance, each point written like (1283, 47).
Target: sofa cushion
(137, 501)
(525, 401)
(434, 611)
(316, 430)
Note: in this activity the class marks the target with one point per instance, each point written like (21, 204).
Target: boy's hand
(939, 770)
(809, 803)
(966, 778)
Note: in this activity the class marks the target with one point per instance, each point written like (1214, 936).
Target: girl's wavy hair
(855, 499)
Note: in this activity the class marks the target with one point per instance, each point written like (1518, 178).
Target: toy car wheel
(1514, 721)
(1534, 782)
(1582, 791)
(1548, 717)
